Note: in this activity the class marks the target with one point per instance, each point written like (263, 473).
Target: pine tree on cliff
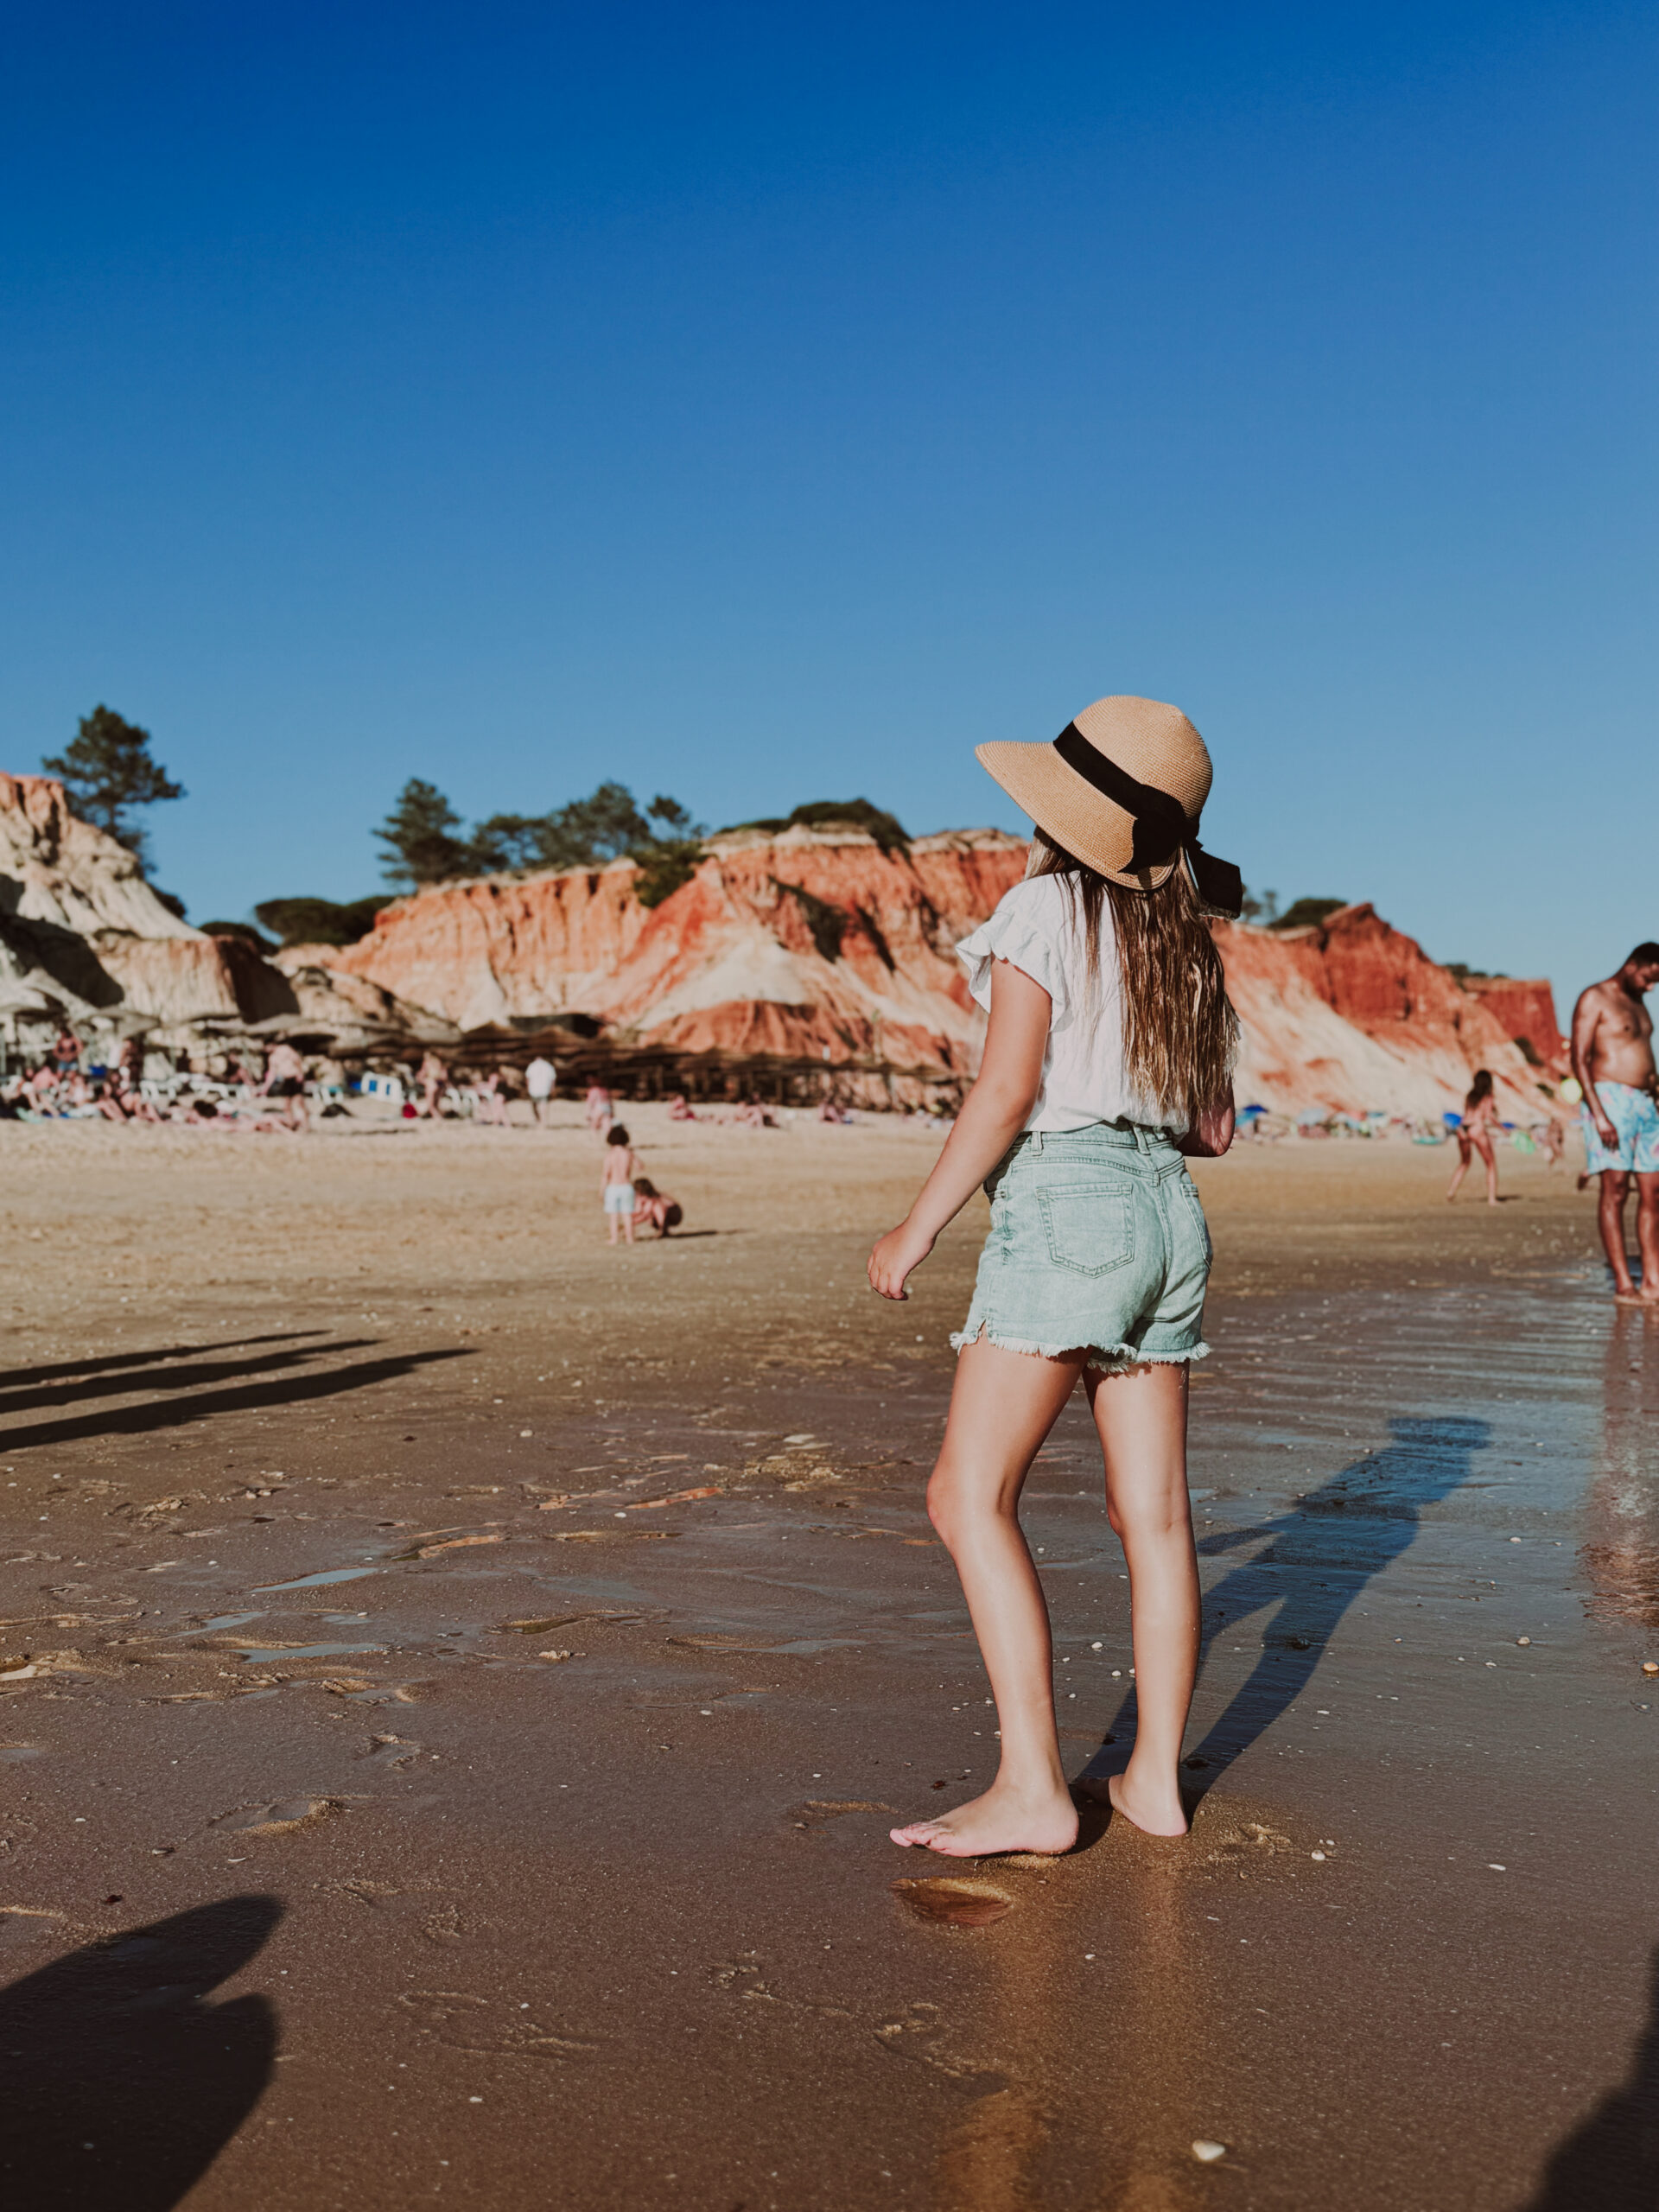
(419, 836)
(107, 772)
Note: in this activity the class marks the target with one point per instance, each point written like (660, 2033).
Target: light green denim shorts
(1098, 1243)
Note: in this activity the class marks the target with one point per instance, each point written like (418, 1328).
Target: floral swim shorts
(1097, 1243)
(1635, 1116)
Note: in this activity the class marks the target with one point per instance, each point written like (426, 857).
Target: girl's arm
(1009, 1078)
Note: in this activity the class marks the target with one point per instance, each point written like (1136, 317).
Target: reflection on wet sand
(1318, 1558)
(1094, 2030)
(1620, 1554)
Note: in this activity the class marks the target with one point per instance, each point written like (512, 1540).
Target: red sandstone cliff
(815, 944)
(1523, 1009)
(1351, 1015)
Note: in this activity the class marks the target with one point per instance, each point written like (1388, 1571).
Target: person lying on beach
(41, 1090)
(654, 1209)
(830, 1111)
(680, 1110)
(752, 1114)
(616, 1181)
(78, 1096)
(1108, 1057)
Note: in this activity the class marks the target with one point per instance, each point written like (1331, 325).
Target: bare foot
(1003, 1820)
(1631, 1297)
(1154, 1815)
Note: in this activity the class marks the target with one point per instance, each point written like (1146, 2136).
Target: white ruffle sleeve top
(1038, 928)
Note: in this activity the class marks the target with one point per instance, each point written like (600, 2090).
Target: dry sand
(349, 1894)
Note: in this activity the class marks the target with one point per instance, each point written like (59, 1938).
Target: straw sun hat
(1122, 788)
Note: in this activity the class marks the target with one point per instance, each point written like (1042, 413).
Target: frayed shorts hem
(1108, 1358)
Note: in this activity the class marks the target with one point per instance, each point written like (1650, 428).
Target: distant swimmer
(1474, 1135)
(1612, 1058)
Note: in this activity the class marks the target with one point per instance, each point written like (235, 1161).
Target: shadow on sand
(248, 1384)
(1318, 1559)
(123, 2084)
(1610, 2162)
(16, 1378)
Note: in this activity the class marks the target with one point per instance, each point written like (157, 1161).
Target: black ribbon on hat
(1162, 828)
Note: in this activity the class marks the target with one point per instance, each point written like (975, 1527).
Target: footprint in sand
(461, 2021)
(954, 1900)
(282, 1817)
(817, 1812)
(390, 1750)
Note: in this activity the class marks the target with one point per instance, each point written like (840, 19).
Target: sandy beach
(458, 1679)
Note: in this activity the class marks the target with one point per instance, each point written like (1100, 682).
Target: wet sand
(357, 1892)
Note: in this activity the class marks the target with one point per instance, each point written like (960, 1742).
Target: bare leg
(1490, 1159)
(1141, 1416)
(1002, 1405)
(1610, 1219)
(628, 1227)
(1460, 1170)
(1647, 1235)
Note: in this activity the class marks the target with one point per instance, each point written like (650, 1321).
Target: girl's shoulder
(1034, 927)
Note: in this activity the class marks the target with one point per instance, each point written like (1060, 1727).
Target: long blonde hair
(1180, 1035)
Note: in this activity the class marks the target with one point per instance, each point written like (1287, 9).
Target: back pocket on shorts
(1091, 1229)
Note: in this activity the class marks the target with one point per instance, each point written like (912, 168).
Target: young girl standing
(1109, 1055)
(616, 1181)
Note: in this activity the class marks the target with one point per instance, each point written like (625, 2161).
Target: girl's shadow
(1318, 1559)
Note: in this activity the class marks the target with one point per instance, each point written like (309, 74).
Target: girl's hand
(896, 1255)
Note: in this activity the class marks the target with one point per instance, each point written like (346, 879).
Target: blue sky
(762, 404)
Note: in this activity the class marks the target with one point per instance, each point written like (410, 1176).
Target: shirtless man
(1612, 1058)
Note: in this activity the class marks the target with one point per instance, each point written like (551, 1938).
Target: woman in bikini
(1474, 1135)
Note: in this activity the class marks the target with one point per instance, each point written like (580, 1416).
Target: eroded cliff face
(813, 943)
(1352, 1014)
(81, 929)
(817, 945)
(1522, 1008)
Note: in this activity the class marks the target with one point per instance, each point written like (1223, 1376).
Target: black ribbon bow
(1161, 826)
